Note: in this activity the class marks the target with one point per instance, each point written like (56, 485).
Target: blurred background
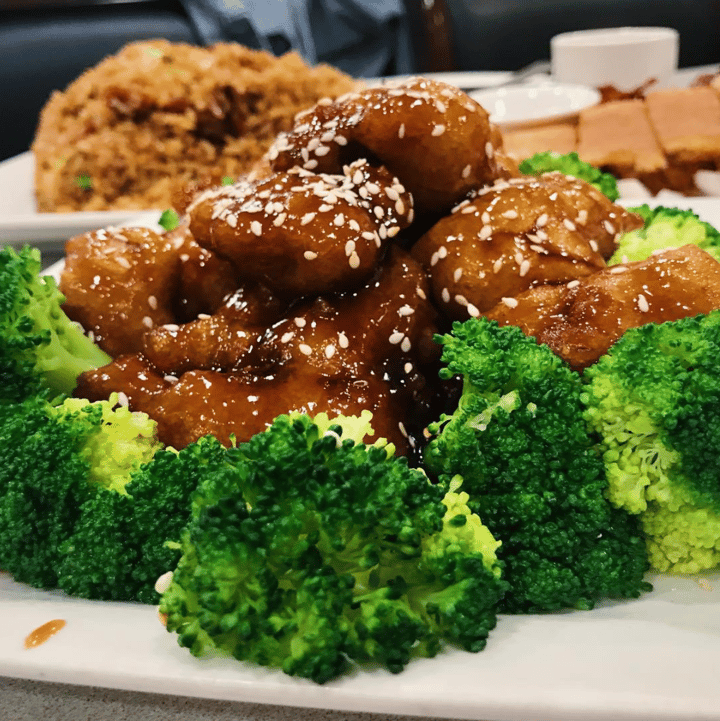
(48, 43)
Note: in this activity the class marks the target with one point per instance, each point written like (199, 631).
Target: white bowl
(624, 57)
(513, 106)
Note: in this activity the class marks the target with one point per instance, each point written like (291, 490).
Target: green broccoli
(570, 164)
(654, 400)
(308, 550)
(52, 460)
(519, 440)
(42, 349)
(665, 228)
(122, 541)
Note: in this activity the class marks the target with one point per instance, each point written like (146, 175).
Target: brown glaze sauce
(43, 633)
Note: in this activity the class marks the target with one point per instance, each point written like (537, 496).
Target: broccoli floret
(53, 459)
(308, 550)
(665, 228)
(519, 440)
(42, 348)
(122, 542)
(654, 400)
(570, 164)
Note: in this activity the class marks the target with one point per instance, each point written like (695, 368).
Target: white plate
(465, 80)
(531, 103)
(651, 659)
(21, 223)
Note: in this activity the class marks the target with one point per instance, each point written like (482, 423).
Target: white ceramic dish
(651, 659)
(21, 223)
(513, 106)
(465, 80)
(654, 659)
(624, 57)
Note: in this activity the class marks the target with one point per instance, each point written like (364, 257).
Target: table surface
(22, 700)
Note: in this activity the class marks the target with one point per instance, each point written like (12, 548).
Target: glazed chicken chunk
(517, 234)
(581, 320)
(341, 354)
(300, 233)
(119, 283)
(432, 136)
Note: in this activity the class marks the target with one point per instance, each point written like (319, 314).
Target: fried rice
(158, 117)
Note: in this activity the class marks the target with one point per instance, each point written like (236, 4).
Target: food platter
(654, 658)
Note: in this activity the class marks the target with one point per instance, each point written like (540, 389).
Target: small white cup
(622, 57)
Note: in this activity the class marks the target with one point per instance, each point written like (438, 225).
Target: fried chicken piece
(582, 319)
(205, 279)
(299, 233)
(361, 350)
(131, 375)
(221, 341)
(119, 283)
(518, 234)
(436, 139)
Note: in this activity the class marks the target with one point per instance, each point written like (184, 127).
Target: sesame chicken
(582, 319)
(437, 140)
(517, 234)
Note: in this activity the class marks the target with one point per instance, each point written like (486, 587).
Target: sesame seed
(497, 265)
(147, 321)
(445, 295)
(442, 252)
(329, 351)
(569, 224)
(405, 310)
(340, 140)
(510, 302)
(322, 150)
(339, 219)
(485, 232)
(524, 267)
(310, 255)
(152, 302)
(287, 337)
(408, 367)
(300, 322)
(485, 217)
(643, 305)
(420, 293)
(343, 340)
(466, 171)
(405, 345)
(438, 130)
(542, 220)
(279, 220)
(510, 214)
(256, 228)
(399, 207)
(609, 227)
(307, 218)
(461, 300)
(457, 274)
(379, 212)
(171, 379)
(358, 177)
(123, 262)
(396, 338)
(401, 131)
(310, 165)
(354, 260)
(123, 399)
(473, 310)
(305, 349)
(489, 150)
(573, 284)
(468, 209)
(171, 327)
(594, 246)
